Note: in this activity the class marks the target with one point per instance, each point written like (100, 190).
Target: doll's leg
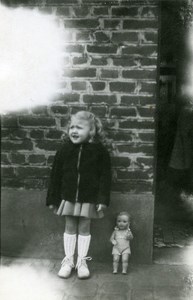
(69, 239)
(84, 238)
(116, 259)
(125, 259)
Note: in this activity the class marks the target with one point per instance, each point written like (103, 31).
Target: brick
(61, 2)
(145, 149)
(17, 133)
(137, 100)
(36, 121)
(123, 112)
(148, 87)
(87, 23)
(64, 122)
(54, 134)
(46, 10)
(121, 162)
(102, 49)
(124, 11)
(109, 73)
(139, 24)
(37, 159)
(7, 171)
(100, 11)
(81, 11)
(123, 87)
(63, 11)
(37, 134)
(100, 2)
(101, 37)
(148, 61)
(4, 159)
(124, 61)
(98, 85)
(151, 37)
(100, 99)
(35, 172)
(50, 159)
(17, 158)
(102, 61)
(147, 136)
(112, 24)
(120, 135)
(139, 74)
(16, 145)
(9, 121)
(147, 112)
(145, 161)
(121, 37)
(32, 183)
(75, 109)
(79, 60)
(99, 111)
(78, 85)
(83, 36)
(149, 12)
(61, 110)
(74, 48)
(67, 98)
(80, 72)
(138, 124)
(48, 145)
(134, 186)
(144, 50)
(39, 110)
(136, 174)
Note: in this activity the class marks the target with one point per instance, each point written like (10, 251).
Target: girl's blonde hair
(97, 132)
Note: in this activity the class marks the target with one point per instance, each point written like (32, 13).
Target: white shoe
(66, 268)
(82, 268)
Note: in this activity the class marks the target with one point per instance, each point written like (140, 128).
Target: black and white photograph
(96, 107)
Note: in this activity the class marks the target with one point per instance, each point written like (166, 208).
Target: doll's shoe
(82, 268)
(66, 268)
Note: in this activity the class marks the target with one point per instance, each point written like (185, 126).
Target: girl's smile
(79, 131)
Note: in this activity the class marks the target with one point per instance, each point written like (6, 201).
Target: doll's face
(79, 131)
(123, 222)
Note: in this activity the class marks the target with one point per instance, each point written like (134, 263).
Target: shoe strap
(82, 260)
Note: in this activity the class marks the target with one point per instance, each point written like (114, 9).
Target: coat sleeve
(54, 187)
(105, 180)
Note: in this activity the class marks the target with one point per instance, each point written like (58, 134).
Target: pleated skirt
(87, 210)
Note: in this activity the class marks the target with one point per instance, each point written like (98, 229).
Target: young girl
(120, 239)
(80, 187)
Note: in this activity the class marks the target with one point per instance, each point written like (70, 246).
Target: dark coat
(82, 173)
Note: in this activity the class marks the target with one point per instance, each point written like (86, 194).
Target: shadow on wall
(30, 229)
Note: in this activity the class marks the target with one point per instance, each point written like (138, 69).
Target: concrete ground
(27, 279)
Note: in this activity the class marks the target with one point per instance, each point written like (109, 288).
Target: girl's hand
(101, 207)
(52, 207)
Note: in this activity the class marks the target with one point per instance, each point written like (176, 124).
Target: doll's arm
(129, 234)
(112, 239)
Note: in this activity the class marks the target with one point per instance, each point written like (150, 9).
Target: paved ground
(27, 279)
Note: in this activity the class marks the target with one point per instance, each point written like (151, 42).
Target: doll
(120, 239)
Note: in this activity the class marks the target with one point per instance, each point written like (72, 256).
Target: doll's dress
(87, 210)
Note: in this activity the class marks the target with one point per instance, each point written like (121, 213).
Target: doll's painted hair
(124, 213)
(97, 133)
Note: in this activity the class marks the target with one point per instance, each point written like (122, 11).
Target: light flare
(31, 58)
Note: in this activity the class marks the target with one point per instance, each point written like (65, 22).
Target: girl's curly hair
(98, 134)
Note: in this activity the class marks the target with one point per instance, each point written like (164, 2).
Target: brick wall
(110, 69)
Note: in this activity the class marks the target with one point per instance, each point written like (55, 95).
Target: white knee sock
(83, 245)
(69, 244)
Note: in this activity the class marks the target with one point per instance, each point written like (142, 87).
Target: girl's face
(79, 131)
(123, 222)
